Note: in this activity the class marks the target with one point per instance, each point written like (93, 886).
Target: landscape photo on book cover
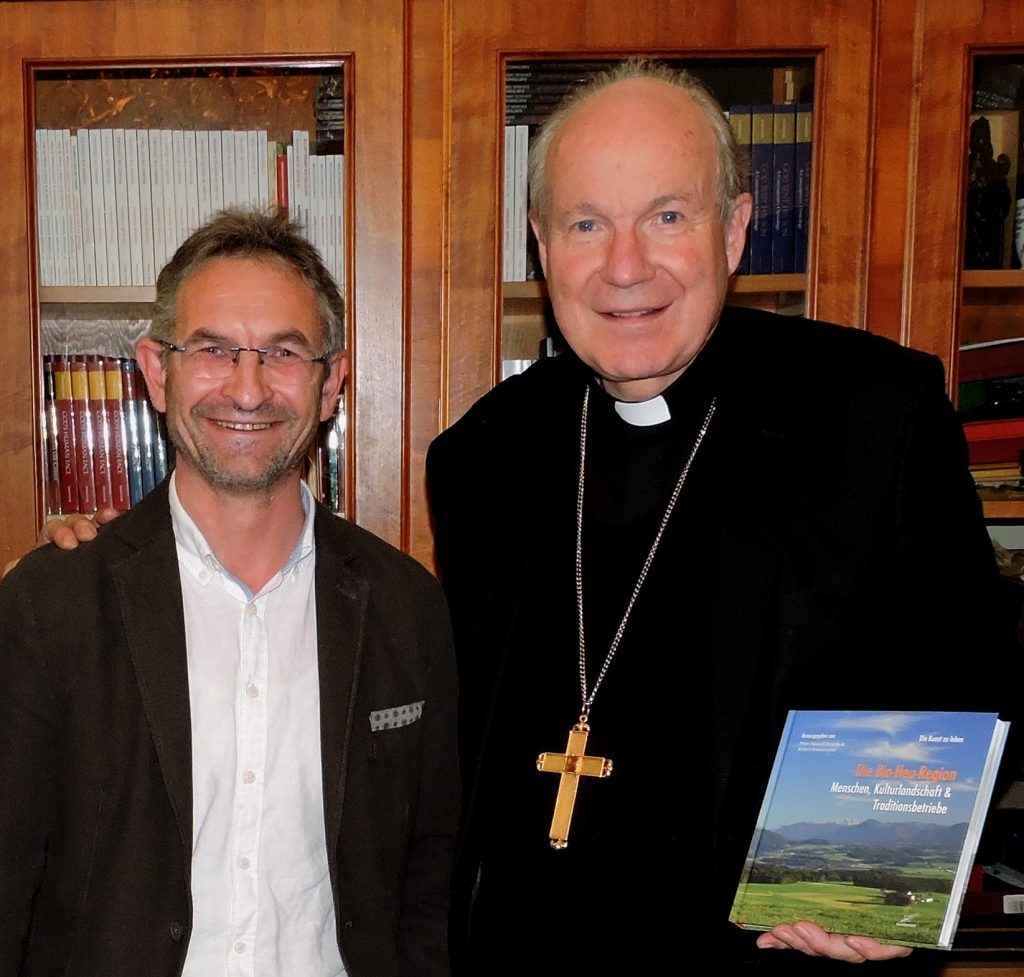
(865, 824)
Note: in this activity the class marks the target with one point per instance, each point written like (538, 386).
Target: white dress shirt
(261, 892)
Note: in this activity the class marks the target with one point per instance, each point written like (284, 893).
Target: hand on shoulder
(66, 532)
(810, 938)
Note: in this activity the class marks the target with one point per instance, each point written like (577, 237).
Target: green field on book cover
(870, 823)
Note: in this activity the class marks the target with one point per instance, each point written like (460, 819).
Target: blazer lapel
(341, 601)
(149, 592)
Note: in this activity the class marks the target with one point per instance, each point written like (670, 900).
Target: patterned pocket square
(396, 716)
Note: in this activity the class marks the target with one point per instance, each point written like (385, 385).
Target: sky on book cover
(835, 761)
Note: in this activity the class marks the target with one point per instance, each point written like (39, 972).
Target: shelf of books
(128, 161)
(990, 374)
(770, 107)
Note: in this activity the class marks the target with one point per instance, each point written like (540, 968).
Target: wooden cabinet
(368, 42)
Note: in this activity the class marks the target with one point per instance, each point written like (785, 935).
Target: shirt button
(249, 777)
(204, 575)
(250, 609)
(177, 931)
(244, 862)
(252, 691)
(239, 947)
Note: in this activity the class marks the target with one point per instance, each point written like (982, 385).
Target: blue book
(802, 187)
(870, 823)
(740, 121)
(783, 181)
(761, 159)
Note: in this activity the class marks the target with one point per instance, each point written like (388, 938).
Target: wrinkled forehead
(638, 136)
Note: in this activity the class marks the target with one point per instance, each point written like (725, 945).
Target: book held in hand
(870, 822)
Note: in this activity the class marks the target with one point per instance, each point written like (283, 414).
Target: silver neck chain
(588, 699)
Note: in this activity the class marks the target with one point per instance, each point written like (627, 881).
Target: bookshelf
(222, 64)
(128, 160)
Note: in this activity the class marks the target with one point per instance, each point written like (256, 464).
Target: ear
(542, 244)
(736, 229)
(150, 356)
(335, 380)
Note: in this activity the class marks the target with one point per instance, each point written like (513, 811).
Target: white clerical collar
(644, 413)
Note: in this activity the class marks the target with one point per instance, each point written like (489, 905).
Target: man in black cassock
(772, 513)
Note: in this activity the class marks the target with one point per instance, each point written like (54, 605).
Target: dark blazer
(850, 565)
(95, 755)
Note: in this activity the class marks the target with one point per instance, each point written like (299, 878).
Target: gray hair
(269, 237)
(732, 165)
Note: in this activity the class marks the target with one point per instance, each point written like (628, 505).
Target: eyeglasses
(207, 360)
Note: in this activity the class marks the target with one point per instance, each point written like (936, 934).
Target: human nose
(627, 262)
(246, 385)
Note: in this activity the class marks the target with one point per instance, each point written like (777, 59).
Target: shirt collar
(195, 554)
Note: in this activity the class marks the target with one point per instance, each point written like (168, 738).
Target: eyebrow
(286, 336)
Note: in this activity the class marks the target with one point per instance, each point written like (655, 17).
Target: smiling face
(248, 432)
(634, 248)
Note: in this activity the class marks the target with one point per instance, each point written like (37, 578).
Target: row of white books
(113, 205)
(515, 204)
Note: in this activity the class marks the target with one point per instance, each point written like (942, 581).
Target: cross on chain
(572, 765)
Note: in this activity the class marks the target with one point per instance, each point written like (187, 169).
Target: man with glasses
(242, 758)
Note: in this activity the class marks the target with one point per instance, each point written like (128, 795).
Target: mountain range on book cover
(870, 823)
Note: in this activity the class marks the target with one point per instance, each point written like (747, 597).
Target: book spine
(116, 425)
(740, 122)
(170, 205)
(216, 173)
(242, 194)
(60, 208)
(110, 206)
(189, 153)
(282, 182)
(147, 435)
(761, 139)
(520, 201)
(783, 181)
(203, 176)
(84, 437)
(85, 200)
(98, 207)
(43, 208)
(77, 266)
(51, 438)
(133, 434)
(100, 432)
(156, 186)
(258, 160)
(147, 232)
(508, 190)
(131, 158)
(124, 246)
(802, 187)
(227, 156)
(182, 207)
(339, 270)
(67, 447)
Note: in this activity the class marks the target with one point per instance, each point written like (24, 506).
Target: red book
(52, 437)
(67, 449)
(282, 182)
(994, 441)
(100, 432)
(116, 425)
(84, 439)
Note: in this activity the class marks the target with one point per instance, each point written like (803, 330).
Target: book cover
(85, 201)
(133, 434)
(100, 432)
(116, 425)
(761, 161)
(783, 184)
(67, 448)
(739, 122)
(870, 822)
(51, 437)
(81, 418)
(121, 205)
(802, 187)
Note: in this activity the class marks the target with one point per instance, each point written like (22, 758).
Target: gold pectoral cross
(572, 765)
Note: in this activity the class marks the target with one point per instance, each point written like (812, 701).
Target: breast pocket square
(395, 716)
